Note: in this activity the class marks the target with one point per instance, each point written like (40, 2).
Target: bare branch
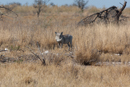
(43, 61)
(8, 9)
(121, 3)
(120, 11)
(38, 45)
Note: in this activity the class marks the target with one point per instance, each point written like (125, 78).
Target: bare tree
(40, 5)
(81, 4)
(52, 4)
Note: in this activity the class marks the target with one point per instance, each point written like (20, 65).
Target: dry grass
(35, 75)
(91, 44)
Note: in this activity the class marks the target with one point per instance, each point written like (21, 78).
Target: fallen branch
(110, 15)
(38, 45)
(42, 60)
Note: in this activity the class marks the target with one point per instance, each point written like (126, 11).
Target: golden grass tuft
(87, 57)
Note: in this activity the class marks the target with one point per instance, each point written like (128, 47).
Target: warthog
(64, 39)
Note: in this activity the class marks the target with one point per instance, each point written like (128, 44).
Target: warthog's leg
(59, 45)
(68, 46)
(71, 44)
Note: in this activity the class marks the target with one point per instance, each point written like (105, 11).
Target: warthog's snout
(64, 39)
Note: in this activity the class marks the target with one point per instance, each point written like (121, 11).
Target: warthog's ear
(61, 33)
(55, 32)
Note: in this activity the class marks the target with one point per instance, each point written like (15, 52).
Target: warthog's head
(58, 36)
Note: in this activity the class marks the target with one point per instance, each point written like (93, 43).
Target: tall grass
(87, 41)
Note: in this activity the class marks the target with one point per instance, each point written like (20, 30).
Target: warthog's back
(67, 38)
